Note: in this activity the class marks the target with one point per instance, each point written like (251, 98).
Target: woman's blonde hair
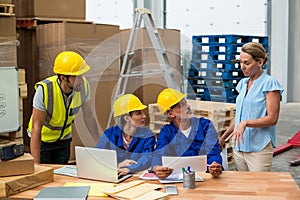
(256, 50)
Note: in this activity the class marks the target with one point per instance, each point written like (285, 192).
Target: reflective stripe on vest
(59, 117)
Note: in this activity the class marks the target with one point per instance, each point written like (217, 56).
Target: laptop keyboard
(120, 176)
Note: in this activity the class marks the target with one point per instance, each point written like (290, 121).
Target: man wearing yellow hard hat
(133, 142)
(56, 102)
(185, 135)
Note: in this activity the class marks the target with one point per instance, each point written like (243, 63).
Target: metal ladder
(143, 14)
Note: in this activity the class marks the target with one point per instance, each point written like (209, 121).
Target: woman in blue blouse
(257, 112)
(133, 142)
(185, 135)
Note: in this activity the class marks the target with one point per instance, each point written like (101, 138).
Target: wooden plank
(7, 10)
(34, 21)
(294, 162)
(11, 136)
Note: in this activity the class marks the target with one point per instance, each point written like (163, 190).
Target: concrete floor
(288, 125)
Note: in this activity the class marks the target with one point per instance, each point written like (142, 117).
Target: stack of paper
(136, 190)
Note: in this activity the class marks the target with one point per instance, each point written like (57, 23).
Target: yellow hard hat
(127, 103)
(168, 98)
(70, 63)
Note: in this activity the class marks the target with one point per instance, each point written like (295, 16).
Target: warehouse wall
(118, 12)
(195, 17)
(191, 17)
(285, 47)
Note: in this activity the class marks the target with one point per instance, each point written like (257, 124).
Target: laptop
(97, 164)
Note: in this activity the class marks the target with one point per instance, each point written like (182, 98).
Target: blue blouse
(253, 106)
(202, 140)
(139, 150)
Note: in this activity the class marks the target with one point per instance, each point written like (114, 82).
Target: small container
(189, 180)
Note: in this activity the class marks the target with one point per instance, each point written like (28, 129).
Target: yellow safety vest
(59, 118)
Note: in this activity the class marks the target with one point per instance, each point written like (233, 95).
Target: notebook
(98, 164)
(60, 193)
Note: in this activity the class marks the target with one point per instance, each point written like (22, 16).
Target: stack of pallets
(219, 113)
(215, 71)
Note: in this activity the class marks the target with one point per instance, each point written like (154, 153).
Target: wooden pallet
(155, 126)
(7, 10)
(153, 108)
(35, 21)
(212, 109)
(158, 117)
(229, 150)
(11, 136)
(230, 159)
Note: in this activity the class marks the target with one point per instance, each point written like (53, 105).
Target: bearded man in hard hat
(133, 142)
(185, 135)
(56, 102)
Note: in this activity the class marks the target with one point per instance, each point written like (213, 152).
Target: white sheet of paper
(178, 178)
(196, 163)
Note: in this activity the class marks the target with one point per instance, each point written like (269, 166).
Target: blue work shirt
(202, 140)
(139, 150)
(253, 106)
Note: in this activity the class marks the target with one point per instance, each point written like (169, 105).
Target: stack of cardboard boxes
(20, 174)
(8, 42)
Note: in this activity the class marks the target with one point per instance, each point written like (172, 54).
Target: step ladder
(143, 14)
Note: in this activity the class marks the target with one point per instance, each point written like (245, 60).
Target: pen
(183, 170)
(188, 169)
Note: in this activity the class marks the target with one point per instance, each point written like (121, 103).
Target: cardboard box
(144, 52)
(21, 76)
(17, 166)
(6, 2)
(16, 184)
(83, 38)
(8, 42)
(68, 9)
(8, 51)
(7, 27)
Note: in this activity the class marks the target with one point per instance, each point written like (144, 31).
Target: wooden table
(230, 185)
